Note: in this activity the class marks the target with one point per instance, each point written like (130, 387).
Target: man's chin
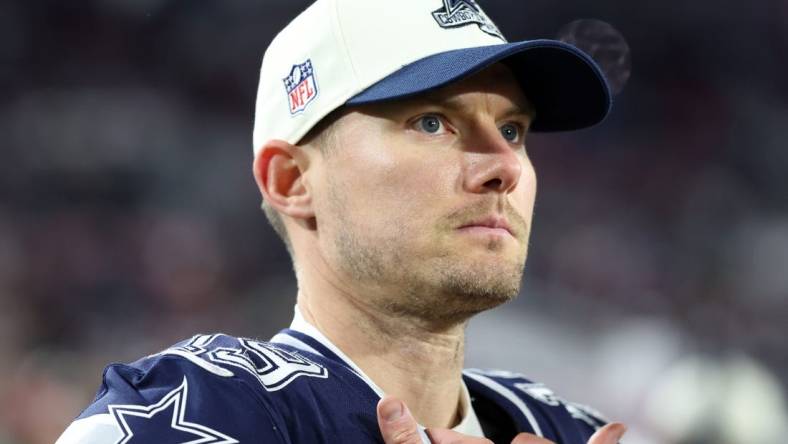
(463, 291)
(450, 292)
(474, 294)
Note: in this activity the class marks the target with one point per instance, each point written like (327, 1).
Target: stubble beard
(445, 288)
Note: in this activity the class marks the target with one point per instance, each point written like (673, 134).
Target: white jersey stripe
(508, 394)
(282, 338)
(96, 429)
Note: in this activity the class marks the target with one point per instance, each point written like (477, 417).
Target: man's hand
(398, 426)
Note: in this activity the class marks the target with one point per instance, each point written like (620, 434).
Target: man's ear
(279, 169)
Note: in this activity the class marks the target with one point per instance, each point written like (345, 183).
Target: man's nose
(493, 165)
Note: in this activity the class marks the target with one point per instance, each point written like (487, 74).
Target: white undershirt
(469, 425)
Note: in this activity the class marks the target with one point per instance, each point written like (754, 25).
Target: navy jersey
(218, 389)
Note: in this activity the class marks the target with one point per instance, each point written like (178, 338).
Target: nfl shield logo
(301, 86)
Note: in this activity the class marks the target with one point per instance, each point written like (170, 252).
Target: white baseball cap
(353, 52)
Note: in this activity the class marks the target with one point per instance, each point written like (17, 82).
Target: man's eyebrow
(516, 110)
(455, 104)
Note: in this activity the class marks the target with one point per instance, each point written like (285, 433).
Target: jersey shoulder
(204, 389)
(543, 412)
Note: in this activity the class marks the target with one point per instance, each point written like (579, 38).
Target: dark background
(657, 282)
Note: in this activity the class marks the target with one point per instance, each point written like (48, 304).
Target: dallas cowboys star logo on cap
(164, 423)
(456, 13)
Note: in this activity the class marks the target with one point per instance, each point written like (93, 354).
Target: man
(389, 149)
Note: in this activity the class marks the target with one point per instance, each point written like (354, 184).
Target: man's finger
(527, 438)
(609, 434)
(445, 436)
(396, 423)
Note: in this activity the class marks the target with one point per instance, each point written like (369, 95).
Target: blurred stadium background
(657, 283)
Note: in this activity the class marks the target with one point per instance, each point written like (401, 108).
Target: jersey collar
(305, 336)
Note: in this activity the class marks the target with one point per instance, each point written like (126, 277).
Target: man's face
(424, 205)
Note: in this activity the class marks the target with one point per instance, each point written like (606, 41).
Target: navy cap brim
(566, 87)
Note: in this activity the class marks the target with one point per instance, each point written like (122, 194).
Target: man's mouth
(496, 225)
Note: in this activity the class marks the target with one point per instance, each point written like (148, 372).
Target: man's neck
(420, 364)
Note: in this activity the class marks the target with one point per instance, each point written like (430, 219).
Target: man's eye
(430, 124)
(511, 132)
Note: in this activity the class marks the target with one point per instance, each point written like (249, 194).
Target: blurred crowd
(658, 266)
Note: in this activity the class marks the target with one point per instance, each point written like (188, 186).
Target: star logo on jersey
(457, 13)
(164, 422)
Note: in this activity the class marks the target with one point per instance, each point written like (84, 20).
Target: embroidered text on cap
(456, 13)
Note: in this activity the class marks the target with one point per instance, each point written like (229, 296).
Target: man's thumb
(609, 434)
(396, 423)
